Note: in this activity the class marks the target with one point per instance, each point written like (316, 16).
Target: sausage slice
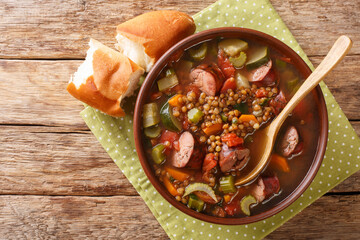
(204, 80)
(289, 141)
(265, 188)
(233, 158)
(260, 73)
(186, 148)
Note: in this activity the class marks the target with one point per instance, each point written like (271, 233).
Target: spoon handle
(338, 51)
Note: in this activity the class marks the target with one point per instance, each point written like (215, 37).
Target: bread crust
(110, 81)
(89, 94)
(157, 31)
(112, 72)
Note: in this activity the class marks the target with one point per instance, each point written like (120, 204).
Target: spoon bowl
(261, 155)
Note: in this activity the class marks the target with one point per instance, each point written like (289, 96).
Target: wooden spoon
(267, 136)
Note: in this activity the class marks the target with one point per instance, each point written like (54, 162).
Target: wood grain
(37, 92)
(119, 217)
(65, 28)
(40, 160)
(56, 181)
(49, 217)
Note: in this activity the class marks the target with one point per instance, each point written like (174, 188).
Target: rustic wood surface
(56, 181)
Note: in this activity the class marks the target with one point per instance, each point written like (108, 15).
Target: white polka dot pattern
(341, 160)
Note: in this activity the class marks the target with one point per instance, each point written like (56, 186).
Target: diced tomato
(233, 208)
(225, 65)
(196, 160)
(171, 137)
(278, 103)
(209, 162)
(232, 140)
(260, 93)
(299, 148)
(155, 96)
(228, 84)
(286, 59)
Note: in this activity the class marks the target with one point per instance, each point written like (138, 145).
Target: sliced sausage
(233, 158)
(260, 73)
(243, 156)
(204, 80)
(272, 185)
(186, 147)
(289, 141)
(265, 188)
(258, 191)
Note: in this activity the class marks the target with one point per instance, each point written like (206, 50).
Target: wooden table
(57, 182)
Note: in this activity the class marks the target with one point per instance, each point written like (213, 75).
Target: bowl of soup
(195, 121)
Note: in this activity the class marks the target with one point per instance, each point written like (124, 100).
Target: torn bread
(104, 79)
(145, 38)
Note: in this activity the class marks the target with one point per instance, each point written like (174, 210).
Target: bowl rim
(302, 67)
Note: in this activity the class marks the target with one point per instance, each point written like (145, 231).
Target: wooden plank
(47, 217)
(44, 217)
(65, 28)
(34, 91)
(330, 217)
(317, 24)
(54, 161)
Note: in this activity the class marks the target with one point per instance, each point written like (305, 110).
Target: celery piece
(194, 115)
(246, 203)
(195, 203)
(238, 61)
(151, 115)
(157, 153)
(223, 117)
(227, 184)
(198, 53)
(167, 82)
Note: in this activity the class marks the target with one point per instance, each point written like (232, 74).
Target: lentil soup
(200, 121)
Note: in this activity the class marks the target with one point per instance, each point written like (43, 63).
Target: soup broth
(200, 121)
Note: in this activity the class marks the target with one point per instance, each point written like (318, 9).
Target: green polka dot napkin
(342, 156)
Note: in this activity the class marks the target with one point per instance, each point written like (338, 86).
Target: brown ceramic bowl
(246, 34)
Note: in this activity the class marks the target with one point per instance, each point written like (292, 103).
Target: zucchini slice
(167, 118)
(152, 132)
(232, 46)
(258, 58)
(198, 53)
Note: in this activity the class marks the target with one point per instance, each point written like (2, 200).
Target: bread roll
(145, 38)
(104, 79)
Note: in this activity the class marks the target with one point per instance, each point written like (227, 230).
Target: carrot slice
(227, 198)
(174, 101)
(279, 162)
(170, 187)
(178, 174)
(248, 118)
(205, 197)
(213, 129)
